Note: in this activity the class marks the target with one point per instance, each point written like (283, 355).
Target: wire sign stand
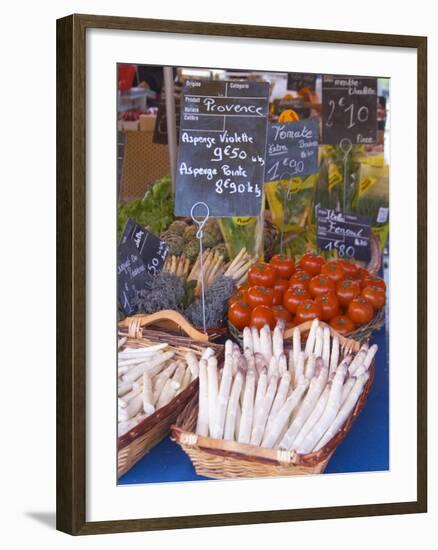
(200, 221)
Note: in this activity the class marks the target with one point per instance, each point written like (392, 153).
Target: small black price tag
(349, 109)
(141, 255)
(292, 149)
(348, 234)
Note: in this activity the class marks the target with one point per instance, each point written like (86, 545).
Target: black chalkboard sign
(349, 234)
(160, 129)
(140, 256)
(349, 109)
(222, 147)
(296, 81)
(292, 149)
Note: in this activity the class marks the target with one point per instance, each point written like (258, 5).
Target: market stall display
(272, 413)
(156, 379)
(298, 287)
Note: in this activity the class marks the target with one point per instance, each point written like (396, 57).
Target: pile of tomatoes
(339, 292)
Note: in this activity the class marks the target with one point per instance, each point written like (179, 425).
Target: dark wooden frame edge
(71, 234)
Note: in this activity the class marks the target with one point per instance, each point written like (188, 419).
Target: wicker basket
(134, 444)
(362, 333)
(221, 459)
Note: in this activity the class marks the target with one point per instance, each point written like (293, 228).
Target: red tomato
(373, 281)
(342, 324)
(361, 274)
(239, 315)
(360, 311)
(261, 274)
(237, 296)
(261, 316)
(347, 290)
(312, 263)
(375, 295)
(294, 296)
(321, 284)
(260, 296)
(280, 313)
(329, 305)
(300, 279)
(307, 311)
(334, 271)
(283, 265)
(280, 287)
(350, 268)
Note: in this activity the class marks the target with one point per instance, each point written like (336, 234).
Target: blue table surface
(365, 449)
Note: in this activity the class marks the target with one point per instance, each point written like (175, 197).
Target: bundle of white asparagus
(149, 377)
(266, 398)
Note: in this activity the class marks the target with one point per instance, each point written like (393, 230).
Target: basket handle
(136, 322)
(349, 343)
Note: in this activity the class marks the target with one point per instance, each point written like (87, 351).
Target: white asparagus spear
(280, 398)
(238, 418)
(186, 380)
(123, 388)
(266, 343)
(309, 370)
(357, 361)
(255, 340)
(235, 362)
(146, 349)
(129, 396)
(161, 380)
(316, 387)
(281, 418)
(261, 390)
(261, 415)
(346, 388)
(344, 411)
(247, 340)
(310, 343)
(212, 392)
(167, 394)
(296, 343)
(133, 407)
(370, 356)
(291, 365)
(193, 364)
(228, 348)
(122, 370)
(223, 396)
(207, 353)
(125, 426)
(334, 358)
(134, 353)
(247, 408)
(329, 414)
(147, 366)
(260, 362)
(299, 367)
(202, 424)
(273, 368)
(178, 376)
(282, 364)
(318, 342)
(277, 340)
(313, 417)
(147, 395)
(326, 346)
(233, 403)
(121, 403)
